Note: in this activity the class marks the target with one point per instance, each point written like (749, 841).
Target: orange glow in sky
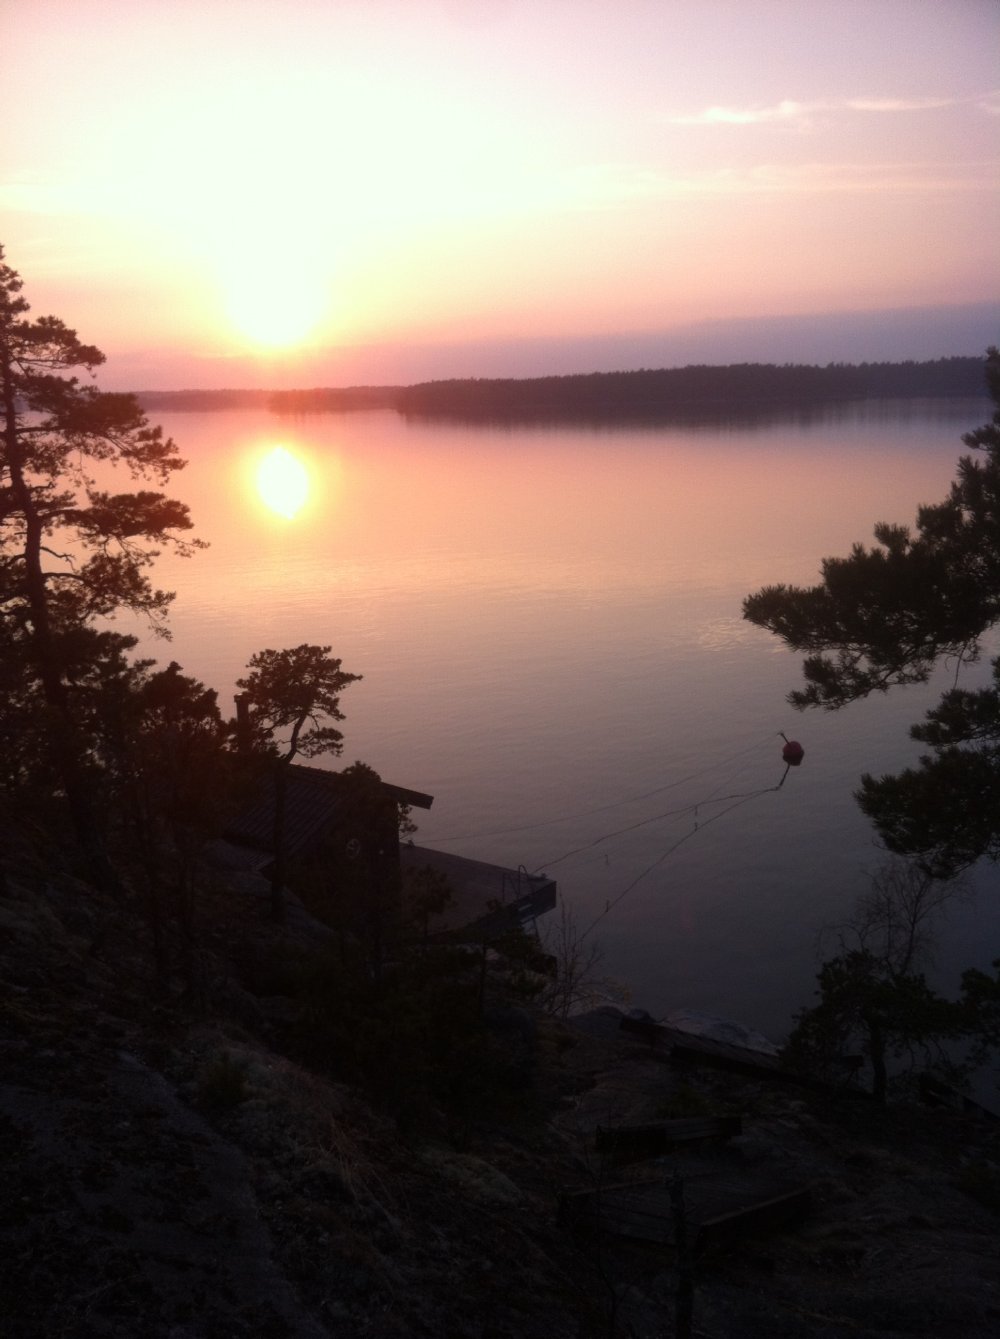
(382, 190)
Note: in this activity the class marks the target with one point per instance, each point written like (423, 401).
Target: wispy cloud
(801, 115)
(859, 178)
(618, 185)
(897, 104)
(786, 111)
(990, 103)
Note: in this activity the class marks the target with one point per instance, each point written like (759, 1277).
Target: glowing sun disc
(285, 320)
(282, 482)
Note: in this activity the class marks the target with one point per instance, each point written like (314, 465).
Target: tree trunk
(876, 1051)
(278, 863)
(66, 746)
(684, 1298)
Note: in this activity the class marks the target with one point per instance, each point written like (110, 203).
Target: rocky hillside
(173, 1168)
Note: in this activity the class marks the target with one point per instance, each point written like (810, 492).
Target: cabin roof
(312, 798)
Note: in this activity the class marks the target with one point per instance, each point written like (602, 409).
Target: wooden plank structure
(337, 824)
(721, 1202)
(684, 1049)
(487, 900)
(719, 1209)
(935, 1092)
(322, 808)
(632, 1143)
(786, 1209)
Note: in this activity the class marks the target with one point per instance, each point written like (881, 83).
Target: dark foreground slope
(174, 1171)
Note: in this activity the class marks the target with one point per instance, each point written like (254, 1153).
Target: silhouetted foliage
(163, 747)
(981, 1000)
(873, 998)
(351, 879)
(289, 694)
(863, 1003)
(71, 550)
(426, 893)
(887, 615)
(416, 1036)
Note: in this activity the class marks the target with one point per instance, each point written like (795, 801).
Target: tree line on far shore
(692, 391)
(669, 393)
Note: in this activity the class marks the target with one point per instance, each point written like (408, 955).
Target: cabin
(341, 821)
(345, 861)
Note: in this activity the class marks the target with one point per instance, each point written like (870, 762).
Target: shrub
(222, 1084)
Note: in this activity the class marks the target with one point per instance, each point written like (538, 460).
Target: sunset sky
(330, 192)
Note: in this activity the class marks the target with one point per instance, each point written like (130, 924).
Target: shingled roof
(312, 799)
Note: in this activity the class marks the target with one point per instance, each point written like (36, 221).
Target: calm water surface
(548, 625)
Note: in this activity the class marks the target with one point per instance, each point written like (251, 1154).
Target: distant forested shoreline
(680, 392)
(319, 400)
(696, 390)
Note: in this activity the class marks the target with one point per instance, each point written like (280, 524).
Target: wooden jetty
(719, 1208)
(633, 1143)
(713, 1198)
(487, 901)
(684, 1049)
(935, 1092)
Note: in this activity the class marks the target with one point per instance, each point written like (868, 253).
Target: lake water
(548, 624)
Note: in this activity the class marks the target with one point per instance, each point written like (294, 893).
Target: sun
(280, 307)
(280, 317)
(282, 482)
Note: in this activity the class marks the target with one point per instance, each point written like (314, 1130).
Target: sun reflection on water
(282, 482)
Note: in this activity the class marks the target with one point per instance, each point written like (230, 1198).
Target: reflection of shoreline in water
(958, 409)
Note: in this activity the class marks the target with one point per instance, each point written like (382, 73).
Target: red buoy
(793, 752)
